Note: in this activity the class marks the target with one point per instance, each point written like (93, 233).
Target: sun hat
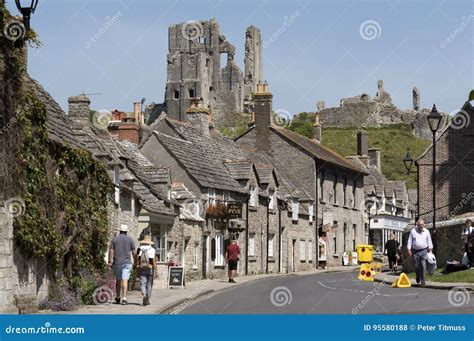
(123, 228)
(147, 240)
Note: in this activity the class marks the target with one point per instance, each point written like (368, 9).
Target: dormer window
(271, 204)
(117, 185)
(295, 206)
(253, 196)
(311, 211)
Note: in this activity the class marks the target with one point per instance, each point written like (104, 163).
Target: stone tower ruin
(201, 65)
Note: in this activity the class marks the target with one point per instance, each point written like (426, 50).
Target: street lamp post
(26, 7)
(408, 162)
(434, 120)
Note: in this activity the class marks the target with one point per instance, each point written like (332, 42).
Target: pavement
(390, 277)
(169, 301)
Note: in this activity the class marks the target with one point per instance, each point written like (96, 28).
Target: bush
(60, 298)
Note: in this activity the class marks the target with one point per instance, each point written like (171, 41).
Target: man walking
(232, 255)
(419, 244)
(121, 251)
(467, 235)
(391, 249)
(146, 267)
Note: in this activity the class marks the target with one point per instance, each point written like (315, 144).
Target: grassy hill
(393, 141)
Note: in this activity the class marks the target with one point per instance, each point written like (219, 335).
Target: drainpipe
(316, 208)
(268, 231)
(247, 236)
(279, 238)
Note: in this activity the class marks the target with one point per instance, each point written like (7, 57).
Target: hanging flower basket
(217, 211)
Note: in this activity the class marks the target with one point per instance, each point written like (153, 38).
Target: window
(345, 191)
(272, 200)
(211, 196)
(295, 210)
(253, 196)
(334, 189)
(344, 231)
(251, 244)
(132, 204)
(227, 196)
(176, 93)
(354, 229)
(213, 249)
(270, 245)
(310, 250)
(354, 188)
(195, 255)
(335, 244)
(321, 185)
(302, 250)
(191, 93)
(311, 211)
(117, 185)
(160, 232)
(219, 250)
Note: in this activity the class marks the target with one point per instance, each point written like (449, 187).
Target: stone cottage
(317, 172)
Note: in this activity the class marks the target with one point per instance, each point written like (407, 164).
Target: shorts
(233, 264)
(122, 271)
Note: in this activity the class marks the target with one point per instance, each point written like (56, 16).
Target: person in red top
(232, 256)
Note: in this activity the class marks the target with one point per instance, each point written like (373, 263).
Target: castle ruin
(201, 65)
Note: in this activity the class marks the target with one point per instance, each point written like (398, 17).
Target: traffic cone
(402, 282)
(366, 273)
(378, 268)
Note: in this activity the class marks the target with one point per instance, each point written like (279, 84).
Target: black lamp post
(408, 162)
(434, 120)
(26, 7)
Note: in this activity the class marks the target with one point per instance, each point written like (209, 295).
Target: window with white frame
(271, 204)
(270, 245)
(219, 250)
(117, 185)
(310, 250)
(211, 196)
(227, 196)
(251, 251)
(302, 250)
(195, 255)
(253, 196)
(295, 210)
(311, 211)
(160, 233)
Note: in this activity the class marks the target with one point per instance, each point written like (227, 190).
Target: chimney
(362, 146)
(263, 117)
(374, 156)
(137, 112)
(79, 108)
(122, 128)
(199, 116)
(317, 129)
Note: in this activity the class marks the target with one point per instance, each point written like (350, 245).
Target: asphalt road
(330, 293)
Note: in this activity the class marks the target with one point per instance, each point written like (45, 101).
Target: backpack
(144, 261)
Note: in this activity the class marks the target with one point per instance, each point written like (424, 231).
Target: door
(205, 241)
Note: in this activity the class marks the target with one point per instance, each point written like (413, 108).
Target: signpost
(176, 277)
(234, 210)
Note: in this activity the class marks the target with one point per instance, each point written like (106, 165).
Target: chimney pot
(317, 130)
(265, 87)
(137, 109)
(259, 87)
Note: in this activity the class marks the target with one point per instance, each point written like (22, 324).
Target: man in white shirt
(146, 265)
(419, 244)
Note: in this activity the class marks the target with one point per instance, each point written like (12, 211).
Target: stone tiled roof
(240, 169)
(318, 150)
(64, 130)
(412, 198)
(264, 172)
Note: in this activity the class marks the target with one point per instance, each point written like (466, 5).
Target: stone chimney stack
(363, 146)
(137, 112)
(79, 108)
(374, 156)
(263, 117)
(123, 128)
(199, 116)
(416, 99)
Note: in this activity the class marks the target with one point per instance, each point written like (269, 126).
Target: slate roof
(240, 169)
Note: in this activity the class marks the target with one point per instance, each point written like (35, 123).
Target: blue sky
(320, 55)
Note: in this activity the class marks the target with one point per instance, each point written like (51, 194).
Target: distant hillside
(393, 141)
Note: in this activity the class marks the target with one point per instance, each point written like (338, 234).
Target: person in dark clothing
(391, 250)
(232, 256)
